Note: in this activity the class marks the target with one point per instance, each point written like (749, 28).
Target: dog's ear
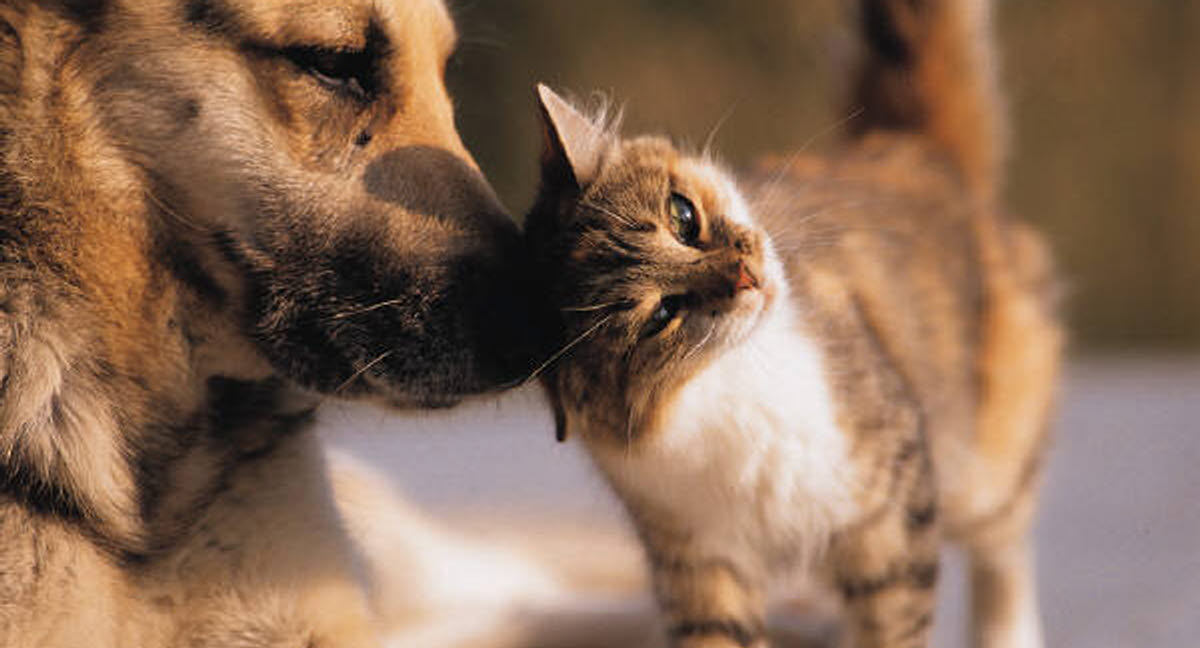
(573, 144)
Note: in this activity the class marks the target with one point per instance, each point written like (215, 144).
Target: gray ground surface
(1118, 539)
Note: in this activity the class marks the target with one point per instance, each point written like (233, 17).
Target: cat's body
(835, 363)
(748, 454)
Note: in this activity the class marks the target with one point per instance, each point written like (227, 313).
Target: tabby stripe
(739, 632)
(918, 627)
(922, 517)
(877, 340)
(909, 450)
(881, 513)
(918, 576)
(630, 248)
(679, 566)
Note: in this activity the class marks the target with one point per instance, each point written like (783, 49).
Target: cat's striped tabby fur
(825, 362)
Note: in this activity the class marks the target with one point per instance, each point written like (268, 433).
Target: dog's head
(310, 147)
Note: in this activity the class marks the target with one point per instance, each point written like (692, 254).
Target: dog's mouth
(476, 333)
(423, 325)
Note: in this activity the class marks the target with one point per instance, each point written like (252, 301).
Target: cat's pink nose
(746, 279)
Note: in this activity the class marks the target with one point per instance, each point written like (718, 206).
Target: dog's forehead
(343, 23)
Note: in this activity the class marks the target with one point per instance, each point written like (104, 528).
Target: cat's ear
(573, 144)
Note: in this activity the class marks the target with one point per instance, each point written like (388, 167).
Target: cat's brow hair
(612, 213)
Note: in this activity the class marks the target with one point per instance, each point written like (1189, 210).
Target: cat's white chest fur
(750, 455)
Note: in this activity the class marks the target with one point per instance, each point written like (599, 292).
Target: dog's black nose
(436, 183)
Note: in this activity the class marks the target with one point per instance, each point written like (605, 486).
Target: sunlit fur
(682, 418)
(722, 423)
(201, 233)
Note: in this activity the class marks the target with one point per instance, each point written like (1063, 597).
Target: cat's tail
(929, 69)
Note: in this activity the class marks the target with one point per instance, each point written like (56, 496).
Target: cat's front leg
(886, 565)
(708, 601)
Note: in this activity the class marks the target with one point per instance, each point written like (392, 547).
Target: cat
(825, 363)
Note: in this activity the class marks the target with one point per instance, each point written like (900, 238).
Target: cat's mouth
(751, 309)
(769, 292)
(765, 300)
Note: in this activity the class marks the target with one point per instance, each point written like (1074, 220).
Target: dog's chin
(409, 402)
(442, 383)
(393, 398)
(429, 347)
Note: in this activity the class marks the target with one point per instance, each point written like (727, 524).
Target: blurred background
(1105, 111)
(1104, 97)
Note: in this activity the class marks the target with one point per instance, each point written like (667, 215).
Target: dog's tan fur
(212, 212)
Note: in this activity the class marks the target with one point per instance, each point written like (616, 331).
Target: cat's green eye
(684, 221)
(664, 314)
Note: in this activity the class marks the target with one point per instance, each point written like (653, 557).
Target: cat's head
(652, 261)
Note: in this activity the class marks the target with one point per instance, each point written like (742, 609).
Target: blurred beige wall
(1105, 99)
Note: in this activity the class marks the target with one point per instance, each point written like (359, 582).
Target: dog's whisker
(483, 41)
(362, 370)
(567, 347)
(170, 211)
(368, 309)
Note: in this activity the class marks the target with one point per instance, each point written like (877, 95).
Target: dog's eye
(346, 71)
(666, 312)
(684, 221)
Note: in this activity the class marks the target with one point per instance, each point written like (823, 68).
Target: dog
(213, 214)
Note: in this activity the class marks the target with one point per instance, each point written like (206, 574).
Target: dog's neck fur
(85, 398)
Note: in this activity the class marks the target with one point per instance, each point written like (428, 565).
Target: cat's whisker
(590, 309)
(567, 347)
(794, 237)
(362, 370)
(634, 415)
(773, 183)
(712, 328)
(854, 114)
(706, 150)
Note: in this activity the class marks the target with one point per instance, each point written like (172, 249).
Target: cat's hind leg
(1020, 358)
(1004, 608)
